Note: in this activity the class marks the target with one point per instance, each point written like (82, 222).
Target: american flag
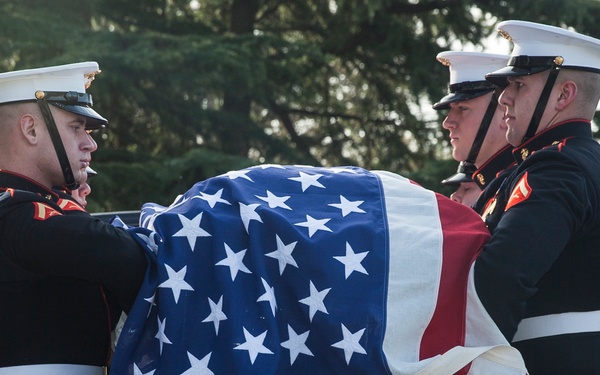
(302, 270)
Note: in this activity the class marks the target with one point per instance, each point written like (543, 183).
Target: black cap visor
(462, 96)
(94, 120)
(79, 103)
(464, 173)
(456, 179)
(522, 66)
(90, 172)
(500, 77)
(461, 91)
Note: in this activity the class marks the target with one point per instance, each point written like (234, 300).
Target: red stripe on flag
(464, 235)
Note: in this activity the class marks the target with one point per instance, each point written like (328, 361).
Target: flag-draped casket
(304, 270)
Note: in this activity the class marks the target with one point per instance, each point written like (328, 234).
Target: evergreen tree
(193, 88)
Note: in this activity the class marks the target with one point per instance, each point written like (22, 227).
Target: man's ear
(29, 128)
(567, 94)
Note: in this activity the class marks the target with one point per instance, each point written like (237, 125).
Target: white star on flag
(254, 345)
(269, 296)
(216, 313)
(352, 261)
(314, 225)
(315, 301)
(267, 166)
(176, 281)
(283, 254)
(350, 344)
(150, 300)
(137, 371)
(176, 203)
(199, 366)
(342, 170)
(160, 335)
(191, 229)
(178, 200)
(235, 262)
(275, 201)
(308, 180)
(296, 344)
(248, 213)
(213, 199)
(237, 174)
(347, 206)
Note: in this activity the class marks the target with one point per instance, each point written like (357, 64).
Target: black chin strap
(57, 142)
(541, 104)
(483, 129)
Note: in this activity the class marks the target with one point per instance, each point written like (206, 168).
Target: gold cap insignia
(90, 77)
(444, 61)
(505, 35)
(559, 60)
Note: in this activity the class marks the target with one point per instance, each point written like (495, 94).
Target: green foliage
(432, 173)
(334, 82)
(129, 183)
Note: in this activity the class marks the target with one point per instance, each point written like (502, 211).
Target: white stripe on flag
(414, 229)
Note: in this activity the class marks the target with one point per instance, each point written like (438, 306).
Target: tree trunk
(243, 15)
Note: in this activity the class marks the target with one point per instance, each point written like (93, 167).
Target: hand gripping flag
(304, 270)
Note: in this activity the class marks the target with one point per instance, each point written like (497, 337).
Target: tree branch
(284, 116)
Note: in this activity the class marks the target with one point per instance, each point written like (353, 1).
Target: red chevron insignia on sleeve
(520, 193)
(43, 211)
(68, 205)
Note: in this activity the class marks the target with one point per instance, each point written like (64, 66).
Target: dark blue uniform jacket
(64, 277)
(544, 254)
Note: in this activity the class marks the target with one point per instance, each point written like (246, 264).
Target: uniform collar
(494, 165)
(552, 135)
(17, 181)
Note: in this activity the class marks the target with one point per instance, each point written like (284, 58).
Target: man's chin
(459, 156)
(513, 139)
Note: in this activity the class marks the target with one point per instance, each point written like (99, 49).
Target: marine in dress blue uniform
(64, 276)
(538, 276)
(467, 82)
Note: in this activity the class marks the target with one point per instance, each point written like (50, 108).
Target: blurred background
(193, 89)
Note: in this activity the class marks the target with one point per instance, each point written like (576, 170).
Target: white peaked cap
(538, 47)
(467, 74)
(54, 82)
(471, 66)
(22, 84)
